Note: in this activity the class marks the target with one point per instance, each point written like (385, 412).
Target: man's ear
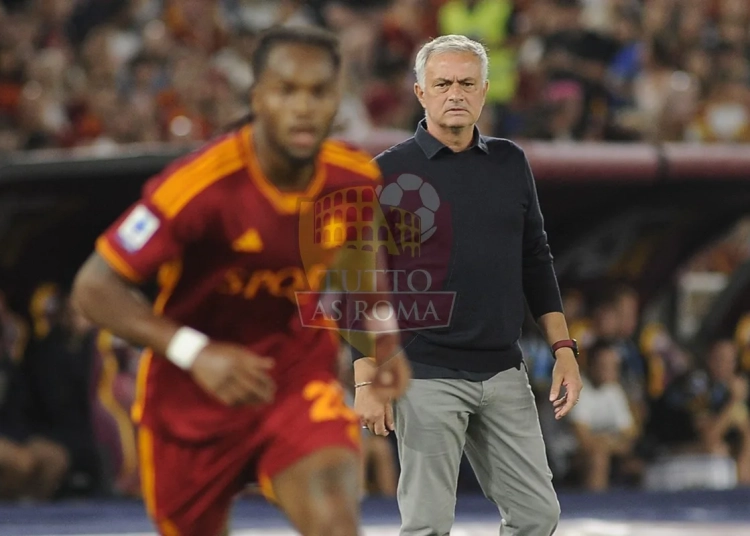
(419, 92)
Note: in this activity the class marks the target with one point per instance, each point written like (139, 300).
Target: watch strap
(566, 343)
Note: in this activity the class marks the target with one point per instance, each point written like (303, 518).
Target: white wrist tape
(185, 346)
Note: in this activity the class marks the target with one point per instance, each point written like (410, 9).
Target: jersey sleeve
(177, 208)
(147, 235)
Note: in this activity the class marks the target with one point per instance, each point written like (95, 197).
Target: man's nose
(302, 103)
(456, 92)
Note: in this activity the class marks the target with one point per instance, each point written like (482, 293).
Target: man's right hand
(234, 375)
(378, 417)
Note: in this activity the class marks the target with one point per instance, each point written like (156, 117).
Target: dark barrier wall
(634, 212)
(552, 162)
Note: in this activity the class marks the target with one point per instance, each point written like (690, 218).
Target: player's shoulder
(188, 177)
(346, 159)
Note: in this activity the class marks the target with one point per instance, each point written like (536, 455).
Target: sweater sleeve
(539, 280)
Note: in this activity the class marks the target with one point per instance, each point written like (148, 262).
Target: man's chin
(457, 121)
(302, 156)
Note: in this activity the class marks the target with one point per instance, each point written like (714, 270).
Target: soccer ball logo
(411, 193)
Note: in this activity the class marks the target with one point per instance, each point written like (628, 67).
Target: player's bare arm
(229, 372)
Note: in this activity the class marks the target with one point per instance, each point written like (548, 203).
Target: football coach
(471, 390)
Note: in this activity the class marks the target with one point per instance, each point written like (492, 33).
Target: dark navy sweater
(482, 239)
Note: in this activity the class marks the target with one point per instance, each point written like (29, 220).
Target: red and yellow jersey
(230, 251)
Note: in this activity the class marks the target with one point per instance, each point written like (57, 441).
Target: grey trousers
(496, 423)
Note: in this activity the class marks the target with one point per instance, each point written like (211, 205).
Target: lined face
(453, 93)
(296, 99)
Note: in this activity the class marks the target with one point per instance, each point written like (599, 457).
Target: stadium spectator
(602, 324)
(16, 461)
(31, 467)
(742, 339)
(664, 95)
(46, 308)
(665, 360)
(57, 371)
(563, 69)
(493, 22)
(602, 420)
(626, 65)
(725, 114)
(615, 318)
(707, 410)
(14, 333)
(605, 318)
(634, 374)
(113, 380)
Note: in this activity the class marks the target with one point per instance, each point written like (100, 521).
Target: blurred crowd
(66, 390)
(649, 394)
(646, 397)
(66, 393)
(109, 72)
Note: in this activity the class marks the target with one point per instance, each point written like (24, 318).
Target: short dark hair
(295, 35)
(609, 294)
(600, 345)
(603, 299)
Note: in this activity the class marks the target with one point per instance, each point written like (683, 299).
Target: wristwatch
(566, 343)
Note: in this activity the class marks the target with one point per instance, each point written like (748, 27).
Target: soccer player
(236, 387)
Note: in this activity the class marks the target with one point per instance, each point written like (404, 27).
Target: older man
(483, 242)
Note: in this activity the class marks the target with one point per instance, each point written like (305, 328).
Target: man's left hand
(565, 374)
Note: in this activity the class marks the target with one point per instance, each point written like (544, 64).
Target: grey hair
(450, 43)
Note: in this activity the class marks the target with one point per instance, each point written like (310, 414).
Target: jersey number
(328, 402)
